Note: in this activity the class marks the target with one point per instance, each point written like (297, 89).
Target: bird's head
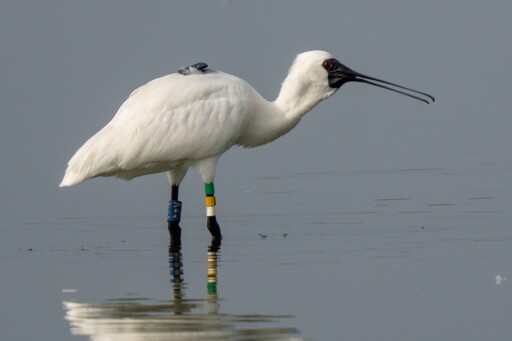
(324, 74)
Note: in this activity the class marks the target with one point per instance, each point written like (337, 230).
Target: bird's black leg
(174, 217)
(211, 222)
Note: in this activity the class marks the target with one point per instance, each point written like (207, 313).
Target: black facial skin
(339, 74)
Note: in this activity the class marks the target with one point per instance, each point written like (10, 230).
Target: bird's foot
(175, 233)
(214, 229)
(214, 245)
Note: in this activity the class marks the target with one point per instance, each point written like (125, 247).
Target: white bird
(190, 118)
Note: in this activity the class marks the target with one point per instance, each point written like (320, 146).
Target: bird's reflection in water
(181, 318)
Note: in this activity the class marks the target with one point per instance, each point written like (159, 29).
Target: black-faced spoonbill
(190, 118)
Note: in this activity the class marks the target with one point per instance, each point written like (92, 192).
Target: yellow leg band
(210, 201)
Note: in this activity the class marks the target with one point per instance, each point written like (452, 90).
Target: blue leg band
(174, 211)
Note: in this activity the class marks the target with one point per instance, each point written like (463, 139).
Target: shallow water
(397, 254)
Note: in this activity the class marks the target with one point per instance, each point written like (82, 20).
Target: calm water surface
(397, 254)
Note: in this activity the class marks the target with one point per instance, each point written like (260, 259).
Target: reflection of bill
(184, 319)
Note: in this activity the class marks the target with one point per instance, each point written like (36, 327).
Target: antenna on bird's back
(193, 69)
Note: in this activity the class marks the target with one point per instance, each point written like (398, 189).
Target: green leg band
(209, 189)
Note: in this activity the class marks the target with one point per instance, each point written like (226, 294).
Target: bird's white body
(181, 121)
(190, 118)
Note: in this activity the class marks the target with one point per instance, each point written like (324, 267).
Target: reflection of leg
(212, 224)
(174, 216)
(176, 269)
(212, 271)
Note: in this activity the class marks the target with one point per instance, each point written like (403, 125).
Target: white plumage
(178, 121)
(170, 122)
(190, 118)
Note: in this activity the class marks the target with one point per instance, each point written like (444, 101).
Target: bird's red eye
(327, 64)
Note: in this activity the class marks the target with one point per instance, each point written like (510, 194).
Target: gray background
(66, 66)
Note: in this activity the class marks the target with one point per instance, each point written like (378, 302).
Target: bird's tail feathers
(91, 160)
(70, 179)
